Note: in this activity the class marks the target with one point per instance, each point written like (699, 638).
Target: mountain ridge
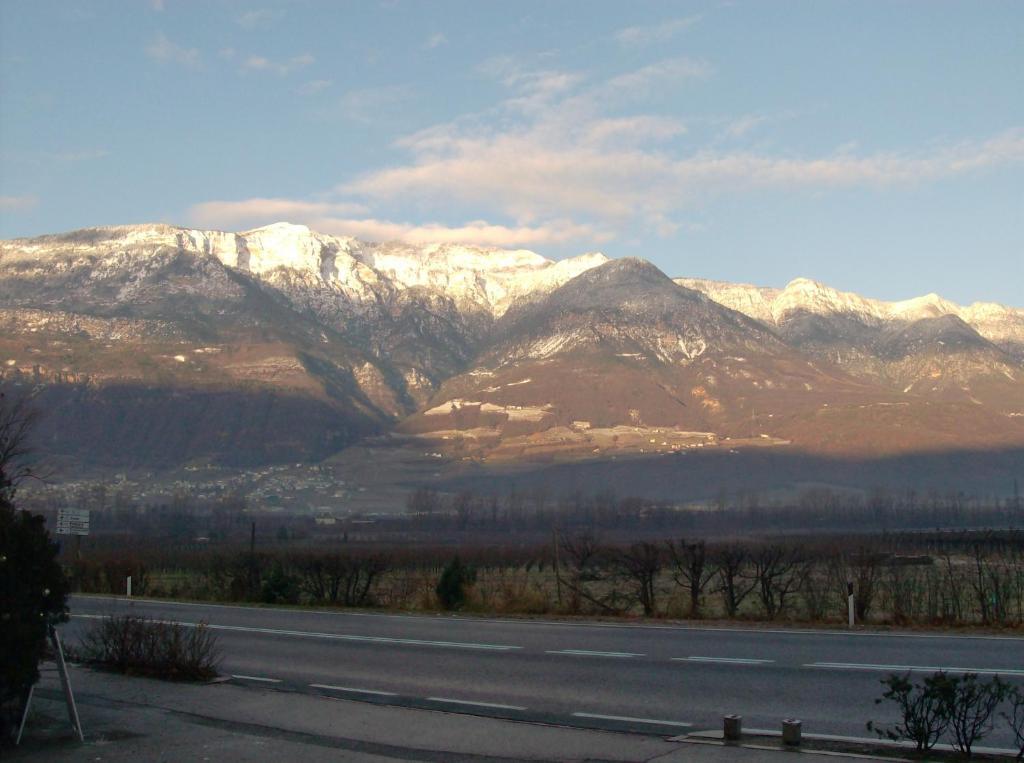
(483, 353)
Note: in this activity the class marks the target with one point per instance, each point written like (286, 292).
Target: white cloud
(573, 161)
(639, 83)
(655, 33)
(740, 126)
(557, 161)
(165, 51)
(281, 68)
(435, 40)
(260, 211)
(156, 5)
(367, 104)
(258, 17)
(314, 86)
(336, 218)
(18, 203)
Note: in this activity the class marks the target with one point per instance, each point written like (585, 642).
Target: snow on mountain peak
(481, 278)
(996, 323)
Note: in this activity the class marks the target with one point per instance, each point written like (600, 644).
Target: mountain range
(160, 346)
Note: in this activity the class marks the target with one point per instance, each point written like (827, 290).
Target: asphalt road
(655, 679)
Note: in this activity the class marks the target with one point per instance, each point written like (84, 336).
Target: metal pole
(65, 682)
(849, 601)
(558, 573)
(252, 560)
(24, 714)
(129, 591)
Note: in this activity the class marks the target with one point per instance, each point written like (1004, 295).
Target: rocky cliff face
(489, 352)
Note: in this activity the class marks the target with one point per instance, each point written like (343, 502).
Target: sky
(876, 147)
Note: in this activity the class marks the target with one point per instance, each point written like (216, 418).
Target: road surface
(648, 678)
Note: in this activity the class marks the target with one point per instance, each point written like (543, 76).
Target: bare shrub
(972, 708)
(1015, 718)
(924, 709)
(336, 578)
(139, 646)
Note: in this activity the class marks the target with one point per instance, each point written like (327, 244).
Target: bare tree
(640, 565)
(731, 562)
(776, 573)
(17, 418)
(587, 561)
(691, 570)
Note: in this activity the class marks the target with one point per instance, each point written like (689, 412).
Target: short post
(129, 586)
(849, 601)
(791, 732)
(732, 728)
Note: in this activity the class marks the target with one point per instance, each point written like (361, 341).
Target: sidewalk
(136, 719)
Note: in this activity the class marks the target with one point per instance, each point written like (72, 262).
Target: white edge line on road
(257, 678)
(566, 624)
(335, 636)
(724, 660)
(631, 720)
(354, 690)
(914, 668)
(494, 705)
(589, 653)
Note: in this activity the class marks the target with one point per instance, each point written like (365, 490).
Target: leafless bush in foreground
(138, 646)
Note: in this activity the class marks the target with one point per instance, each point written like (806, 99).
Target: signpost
(72, 521)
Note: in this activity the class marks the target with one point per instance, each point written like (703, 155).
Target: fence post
(732, 728)
(791, 732)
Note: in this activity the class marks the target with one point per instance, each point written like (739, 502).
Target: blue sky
(878, 147)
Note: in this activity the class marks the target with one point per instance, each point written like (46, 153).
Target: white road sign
(72, 521)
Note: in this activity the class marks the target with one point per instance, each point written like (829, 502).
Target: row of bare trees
(961, 578)
(983, 583)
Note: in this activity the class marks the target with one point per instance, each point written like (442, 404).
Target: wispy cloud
(639, 82)
(367, 104)
(165, 51)
(557, 160)
(260, 211)
(18, 203)
(655, 33)
(435, 40)
(281, 68)
(258, 18)
(70, 156)
(573, 160)
(737, 128)
(329, 217)
(314, 86)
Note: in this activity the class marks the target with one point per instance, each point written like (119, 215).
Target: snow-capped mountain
(156, 344)
(1001, 325)
(926, 345)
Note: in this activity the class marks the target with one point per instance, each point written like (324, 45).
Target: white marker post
(129, 591)
(849, 601)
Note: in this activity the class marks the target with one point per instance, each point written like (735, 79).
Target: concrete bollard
(791, 732)
(732, 727)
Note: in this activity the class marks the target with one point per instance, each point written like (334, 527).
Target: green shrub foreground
(33, 594)
(962, 709)
(154, 648)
